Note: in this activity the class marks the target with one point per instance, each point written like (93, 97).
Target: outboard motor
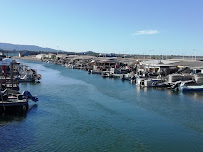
(29, 96)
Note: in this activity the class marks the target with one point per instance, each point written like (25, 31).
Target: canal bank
(81, 112)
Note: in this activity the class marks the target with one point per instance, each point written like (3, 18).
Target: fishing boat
(12, 100)
(30, 78)
(29, 75)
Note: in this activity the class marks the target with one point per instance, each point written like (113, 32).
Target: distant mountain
(17, 47)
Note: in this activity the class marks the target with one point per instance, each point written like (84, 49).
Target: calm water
(82, 112)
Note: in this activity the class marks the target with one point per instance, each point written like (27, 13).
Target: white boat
(190, 86)
(29, 75)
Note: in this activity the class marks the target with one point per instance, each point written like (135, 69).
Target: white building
(40, 56)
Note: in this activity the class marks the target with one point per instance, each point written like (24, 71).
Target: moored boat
(190, 86)
(11, 100)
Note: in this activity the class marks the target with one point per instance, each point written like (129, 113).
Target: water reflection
(15, 116)
(195, 95)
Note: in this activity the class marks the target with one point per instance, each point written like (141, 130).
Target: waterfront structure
(179, 77)
(48, 56)
(146, 73)
(40, 56)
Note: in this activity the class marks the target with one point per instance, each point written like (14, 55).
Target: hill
(17, 47)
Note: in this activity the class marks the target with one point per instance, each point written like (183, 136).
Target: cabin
(104, 64)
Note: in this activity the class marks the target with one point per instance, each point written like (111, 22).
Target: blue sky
(119, 26)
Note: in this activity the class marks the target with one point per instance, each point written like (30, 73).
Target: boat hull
(191, 88)
(13, 107)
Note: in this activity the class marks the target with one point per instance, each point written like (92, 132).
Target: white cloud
(145, 32)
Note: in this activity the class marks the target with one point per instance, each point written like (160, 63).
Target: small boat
(190, 85)
(30, 78)
(30, 75)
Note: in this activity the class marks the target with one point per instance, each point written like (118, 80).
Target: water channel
(78, 111)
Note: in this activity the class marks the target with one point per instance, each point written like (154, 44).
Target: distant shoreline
(32, 57)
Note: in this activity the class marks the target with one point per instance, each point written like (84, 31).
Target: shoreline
(32, 58)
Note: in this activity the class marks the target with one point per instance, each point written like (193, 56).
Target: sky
(165, 27)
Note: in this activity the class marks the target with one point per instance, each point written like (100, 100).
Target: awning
(6, 61)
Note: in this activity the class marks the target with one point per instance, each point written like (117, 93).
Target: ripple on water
(81, 112)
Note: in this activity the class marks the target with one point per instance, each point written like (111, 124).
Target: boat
(190, 85)
(12, 100)
(153, 83)
(126, 76)
(29, 75)
(30, 78)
